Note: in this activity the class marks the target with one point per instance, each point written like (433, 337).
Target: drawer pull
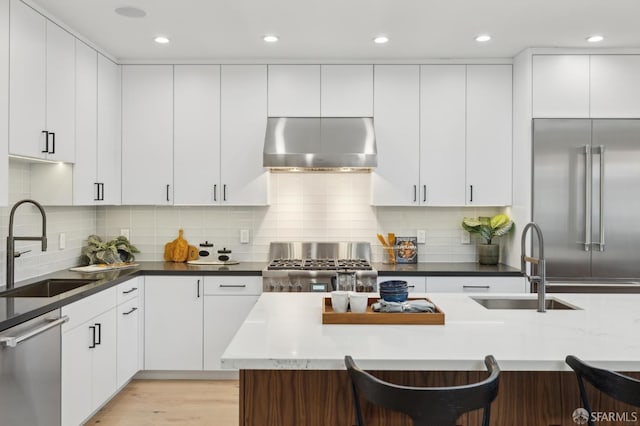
(130, 312)
(411, 286)
(233, 285)
(130, 291)
(477, 286)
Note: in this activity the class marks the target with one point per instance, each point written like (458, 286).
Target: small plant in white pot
(488, 228)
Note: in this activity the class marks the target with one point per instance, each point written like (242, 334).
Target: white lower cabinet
(88, 356)
(130, 329)
(415, 284)
(173, 323)
(227, 302)
(476, 285)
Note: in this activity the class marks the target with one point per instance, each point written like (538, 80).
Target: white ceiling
(343, 29)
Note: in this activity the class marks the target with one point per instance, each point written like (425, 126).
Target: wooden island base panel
(323, 397)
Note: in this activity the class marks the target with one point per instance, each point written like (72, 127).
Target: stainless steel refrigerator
(586, 197)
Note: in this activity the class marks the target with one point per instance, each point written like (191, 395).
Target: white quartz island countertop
(285, 331)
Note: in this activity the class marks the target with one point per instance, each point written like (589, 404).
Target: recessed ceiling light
(381, 39)
(483, 37)
(131, 12)
(270, 38)
(595, 38)
(161, 40)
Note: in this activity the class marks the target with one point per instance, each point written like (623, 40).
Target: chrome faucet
(541, 278)
(11, 240)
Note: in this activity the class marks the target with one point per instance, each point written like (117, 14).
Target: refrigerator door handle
(587, 198)
(601, 243)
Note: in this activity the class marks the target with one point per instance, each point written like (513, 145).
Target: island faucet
(540, 279)
(11, 239)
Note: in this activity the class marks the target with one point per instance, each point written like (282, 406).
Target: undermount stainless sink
(47, 288)
(514, 303)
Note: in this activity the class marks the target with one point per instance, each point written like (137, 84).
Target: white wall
(304, 206)
(76, 222)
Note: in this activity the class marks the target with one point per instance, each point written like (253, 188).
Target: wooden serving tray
(371, 317)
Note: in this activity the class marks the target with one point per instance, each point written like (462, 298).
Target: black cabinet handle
(167, 192)
(130, 291)
(224, 192)
(46, 142)
(101, 191)
(424, 193)
(93, 339)
(97, 192)
(53, 143)
(99, 327)
(198, 286)
(215, 192)
(130, 312)
(415, 193)
(471, 193)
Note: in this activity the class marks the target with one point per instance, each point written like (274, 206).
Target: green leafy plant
(488, 227)
(114, 251)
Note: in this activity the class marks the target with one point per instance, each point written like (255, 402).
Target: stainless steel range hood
(320, 143)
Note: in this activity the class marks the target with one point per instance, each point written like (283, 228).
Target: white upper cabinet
(294, 91)
(442, 135)
(4, 103)
(243, 123)
(615, 86)
(42, 92)
(147, 134)
(560, 86)
(346, 90)
(489, 134)
(109, 131)
(397, 122)
(196, 158)
(85, 186)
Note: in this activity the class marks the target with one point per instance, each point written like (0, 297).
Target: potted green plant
(114, 251)
(488, 228)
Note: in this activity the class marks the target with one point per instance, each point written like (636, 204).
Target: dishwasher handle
(13, 341)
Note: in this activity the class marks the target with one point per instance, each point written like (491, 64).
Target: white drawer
(214, 285)
(128, 289)
(476, 285)
(87, 308)
(415, 284)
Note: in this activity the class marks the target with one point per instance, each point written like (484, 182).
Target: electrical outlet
(62, 241)
(465, 237)
(244, 236)
(422, 236)
(125, 232)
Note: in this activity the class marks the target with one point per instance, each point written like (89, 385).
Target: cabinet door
(196, 134)
(244, 120)
(615, 86)
(147, 134)
(561, 86)
(489, 135)
(294, 91)
(346, 90)
(397, 122)
(442, 135)
(60, 97)
(415, 284)
(109, 131)
(104, 359)
(77, 374)
(85, 190)
(476, 285)
(173, 323)
(27, 81)
(4, 105)
(223, 316)
(128, 315)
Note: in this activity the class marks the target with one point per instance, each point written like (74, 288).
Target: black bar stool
(616, 385)
(427, 406)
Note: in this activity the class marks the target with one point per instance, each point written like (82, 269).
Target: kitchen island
(292, 368)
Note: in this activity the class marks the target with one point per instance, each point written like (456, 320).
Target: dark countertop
(446, 269)
(16, 310)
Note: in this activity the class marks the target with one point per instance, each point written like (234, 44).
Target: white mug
(339, 301)
(358, 302)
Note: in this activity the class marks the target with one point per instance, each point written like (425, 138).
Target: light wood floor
(172, 402)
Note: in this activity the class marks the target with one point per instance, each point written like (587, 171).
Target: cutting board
(213, 262)
(103, 267)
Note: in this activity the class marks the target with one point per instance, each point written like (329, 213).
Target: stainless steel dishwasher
(30, 372)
